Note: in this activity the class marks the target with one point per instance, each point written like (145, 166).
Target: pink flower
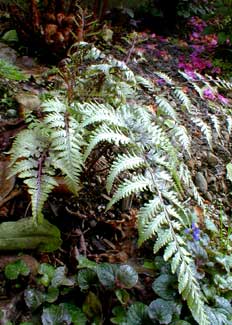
(223, 99)
(209, 94)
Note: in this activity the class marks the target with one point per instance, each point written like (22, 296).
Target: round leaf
(86, 278)
(55, 315)
(106, 275)
(161, 310)
(33, 298)
(13, 270)
(163, 286)
(127, 276)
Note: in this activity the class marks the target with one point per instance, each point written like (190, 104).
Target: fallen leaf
(6, 184)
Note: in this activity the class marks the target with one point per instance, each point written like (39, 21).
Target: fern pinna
(47, 146)
(152, 164)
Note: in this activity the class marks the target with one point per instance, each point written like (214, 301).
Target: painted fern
(47, 146)
(148, 161)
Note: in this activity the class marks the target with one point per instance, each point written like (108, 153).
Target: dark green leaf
(161, 310)
(86, 278)
(163, 286)
(13, 270)
(85, 263)
(48, 272)
(137, 314)
(123, 296)
(52, 294)
(56, 315)
(60, 278)
(181, 322)
(92, 306)
(127, 276)
(119, 313)
(77, 316)
(33, 298)
(106, 275)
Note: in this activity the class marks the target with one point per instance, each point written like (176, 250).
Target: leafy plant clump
(107, 103)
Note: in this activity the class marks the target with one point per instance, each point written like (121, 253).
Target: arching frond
(122, 163)
(165, 107)
(104, 133)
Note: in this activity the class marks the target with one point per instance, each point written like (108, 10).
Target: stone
(7, 53)
(212, 159)
(27, 103)
(201, 182)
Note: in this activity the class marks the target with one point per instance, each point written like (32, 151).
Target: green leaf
(92, 306)
(119, 313)
(25, 234)
(127, 276)
(10, 36)
(163, 286)
(161, 310)
(85, 263)
(52, 295)
(122, 296)
(33, 298)
(14, 270)
(77, 316)
(181, 322)
(106, 275)
(137, 314)
(86, 278)
(47, 271)
(60, 279)
(56, 315)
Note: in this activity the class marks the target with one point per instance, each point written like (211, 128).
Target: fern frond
(205, 129)
(135, 185)
(216, 124)
(165, 77)
(122, 163)
(98, 113)
(183, 98)
(105, 133)
(165, 107)
(229, 123)
(66, 142)
(32, 162)
(145, 83)
(164, 237)
(182, 135)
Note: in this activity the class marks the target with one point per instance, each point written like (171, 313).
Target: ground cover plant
(131, 136)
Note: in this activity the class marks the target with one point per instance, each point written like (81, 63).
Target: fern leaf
(229, 123)
(170, 250)
(175, 262)
(164, 237)
(105, 133)
(98, 113)
(145, 83)
(165, 77)
(150, 227)
(122, 163)
(136, 185)
(216, 124)
(181, 134)
(205, 129)
(183, 98)
(165, 107)
(66, 142)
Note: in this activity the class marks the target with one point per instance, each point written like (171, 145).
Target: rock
(7, 53)
(201, 182)
(212, 159)
(27, 103)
